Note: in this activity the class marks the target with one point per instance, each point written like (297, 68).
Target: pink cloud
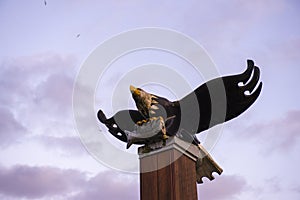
(38, 90)
(33, 80)
(68, 144)
(22, 181)
(25, 182)
(280, 134)
(55, 94)
(20, 76)
(10, 129)
(222, 188)
(109, 185)
(37, 182)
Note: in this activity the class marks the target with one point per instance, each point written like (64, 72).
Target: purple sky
(42, 156)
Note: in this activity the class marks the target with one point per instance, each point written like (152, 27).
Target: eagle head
(143, 100)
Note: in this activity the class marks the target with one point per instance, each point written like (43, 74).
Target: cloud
(68, 145)
(32, 79)
(10, 128)
(55, 94)
(222, 188)
(28, 182)
(38, 91)
(109, 185)
(232, 21)
(37, 182)
(21, 75)
(36, 107)
(296, 189)
(273, 185)
(280, 134)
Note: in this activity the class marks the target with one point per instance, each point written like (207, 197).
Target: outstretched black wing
(215, 108)
(121, 121)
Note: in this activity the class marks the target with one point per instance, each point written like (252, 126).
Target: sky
(43, 48)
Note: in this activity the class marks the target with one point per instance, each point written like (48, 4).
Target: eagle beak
(132, 89)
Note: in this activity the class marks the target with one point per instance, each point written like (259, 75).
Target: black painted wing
(121, 121)
(220, 100)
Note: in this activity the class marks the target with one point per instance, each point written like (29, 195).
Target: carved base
(206, 165)
(203, 162)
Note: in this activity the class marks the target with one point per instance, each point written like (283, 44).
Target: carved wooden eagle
(194, 113)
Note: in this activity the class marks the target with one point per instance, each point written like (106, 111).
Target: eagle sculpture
(184, 118)
(154, 108)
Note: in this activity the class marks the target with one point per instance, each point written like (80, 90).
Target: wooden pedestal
(169, 173)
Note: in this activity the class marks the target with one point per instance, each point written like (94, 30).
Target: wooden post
(169, 172)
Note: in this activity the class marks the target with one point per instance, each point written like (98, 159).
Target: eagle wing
(121, 121)
(215, 108)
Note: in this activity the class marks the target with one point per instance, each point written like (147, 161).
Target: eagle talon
(146, 149)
